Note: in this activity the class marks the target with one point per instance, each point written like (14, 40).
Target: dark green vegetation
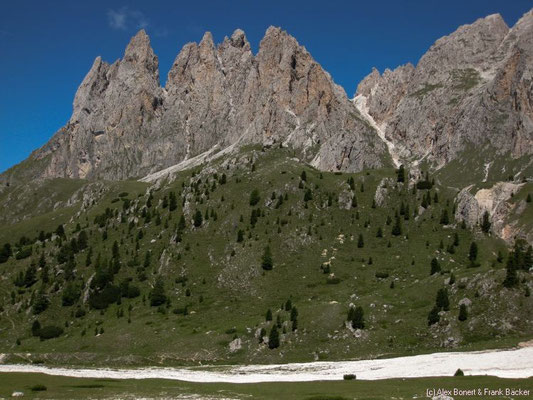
(284, 262)
(76, 388)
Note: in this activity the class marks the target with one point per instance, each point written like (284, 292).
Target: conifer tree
(400, 174)
(442, 302)
(266, 261)
(173, 202)
(254, 197)
(360, 241)
(198, 219)
(463, 313)
(397, 228)
(273, 338)
(444, 219)
(157, 295)
(472, 253)
(433, 316)
(356, 317)
(435, 266)
(268, 316)
(511, 277)
(485, 223)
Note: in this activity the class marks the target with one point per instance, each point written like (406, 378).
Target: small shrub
(382, 275)
(50, 332)
(459, 372)
(38, 388)
(349, 377)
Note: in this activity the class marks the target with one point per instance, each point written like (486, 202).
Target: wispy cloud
(3, 32)
(124, 19)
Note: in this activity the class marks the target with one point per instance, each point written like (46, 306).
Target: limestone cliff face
(504, 213)
(472, 89)
(125, 125)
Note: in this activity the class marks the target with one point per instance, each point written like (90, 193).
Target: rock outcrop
(497, 202)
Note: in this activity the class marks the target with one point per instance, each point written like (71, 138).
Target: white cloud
(124, 19)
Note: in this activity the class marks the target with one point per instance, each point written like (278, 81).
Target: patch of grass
(426, 89)
(61, 388)
(465, 79)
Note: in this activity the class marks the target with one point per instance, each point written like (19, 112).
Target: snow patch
(360, 103)
(486, 167)
(517, 363)
(209, 155)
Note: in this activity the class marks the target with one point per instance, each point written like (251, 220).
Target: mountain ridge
(472, 87)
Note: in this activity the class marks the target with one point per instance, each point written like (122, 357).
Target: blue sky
(46, 49)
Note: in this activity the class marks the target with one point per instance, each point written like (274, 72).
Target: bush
(101, 300)
(50, 332)
(424, 185)
(333, 280)
(459, 372)
(254, 197)
(80, 312)
(38, 388)
(349, 377)
(24, 253)
(382, 275)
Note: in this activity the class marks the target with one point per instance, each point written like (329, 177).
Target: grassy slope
(231, 293)
(76, 388)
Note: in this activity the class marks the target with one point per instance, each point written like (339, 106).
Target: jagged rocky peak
(469, 89)
(139, 51)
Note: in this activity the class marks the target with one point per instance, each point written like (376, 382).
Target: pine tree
(35, 328)
(444, 219)
(433, 316)
(511, 277)
(82, 240)
(268, 316)
(354, 201)
(173, 202)
(198, 219)
(360, 241)
(379, 234)
(358, 320)
(400, 174)
(254, 197)
(157, 295)
(288, 305)
(240, 236)
(273, 338)
(452, 279)
(463, 313)
(442, 302)
(397, 228)
(528, 198)
(485, 223)
(303, 176)
(435, 266)
(472, 253)
(294, 314)
(266, 261)
(308, 195)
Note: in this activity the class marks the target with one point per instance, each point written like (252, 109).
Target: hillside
(175, 270)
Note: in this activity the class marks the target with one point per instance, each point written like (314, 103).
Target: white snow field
(516, 363)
